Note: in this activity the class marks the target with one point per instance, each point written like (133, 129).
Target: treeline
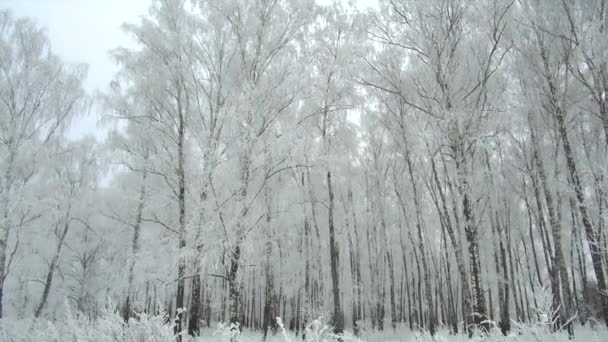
(424, 163)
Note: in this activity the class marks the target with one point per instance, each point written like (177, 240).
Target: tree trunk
(269, 314)
(135, 244)
(530, 231)
(421, 245)
(559, 274)
(181, 199)
(233, 288)
(592, 238)
(479, 308)
(51, 271)
(335, 262)
(456, 245)
(3, 252)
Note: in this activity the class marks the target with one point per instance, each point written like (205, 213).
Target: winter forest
(287, 170)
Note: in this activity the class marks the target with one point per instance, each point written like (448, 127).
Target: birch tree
(39, 96)
(75, 175)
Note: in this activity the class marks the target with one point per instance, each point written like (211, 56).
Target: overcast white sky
(85, 30)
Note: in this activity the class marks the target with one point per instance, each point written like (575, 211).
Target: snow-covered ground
(110, 328)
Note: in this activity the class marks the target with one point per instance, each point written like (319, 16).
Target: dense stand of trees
(429, 163)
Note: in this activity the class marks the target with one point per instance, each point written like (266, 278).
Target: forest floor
(585, 334)
(111, 328)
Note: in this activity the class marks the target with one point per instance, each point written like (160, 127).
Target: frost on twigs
(544, 319)
(282, 326)
(317, 331)
(108, 327)
(230, 330)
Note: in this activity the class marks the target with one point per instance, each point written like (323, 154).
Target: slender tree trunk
(500, 255)
(317, 246)
(6, 224)
(592, 238)
(53, 265)
(532, 285)
(391, 272)
(181, 199)
(532, 240)
(505, 318)
(547, 250)
(407, 278)
(354, 261)
(269, 314)
(420, 319)
(3, 251)
(135, 244)
(233, 287)
(556, 107)
(360, 311)
(3, 244)
(196, 302)
(445, 221)
(421, 245)
(479, 310)
(456, 245)
(558, 271)
(335, 262)
(196, 307)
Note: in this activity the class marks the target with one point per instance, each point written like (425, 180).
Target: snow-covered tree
(39, 96)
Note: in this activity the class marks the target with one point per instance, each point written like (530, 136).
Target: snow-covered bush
(317, 331)
(231, 331)
(109, 327)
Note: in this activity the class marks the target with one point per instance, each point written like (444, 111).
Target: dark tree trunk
(196, 302)
(558, 269)
(233, 287)
(335, 262)
(269, 296)
(421, 246)
(53, 265)
(456, 245)
(181, 199)
(592, 238)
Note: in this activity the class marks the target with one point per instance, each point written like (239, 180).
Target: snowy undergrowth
(111, 328)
